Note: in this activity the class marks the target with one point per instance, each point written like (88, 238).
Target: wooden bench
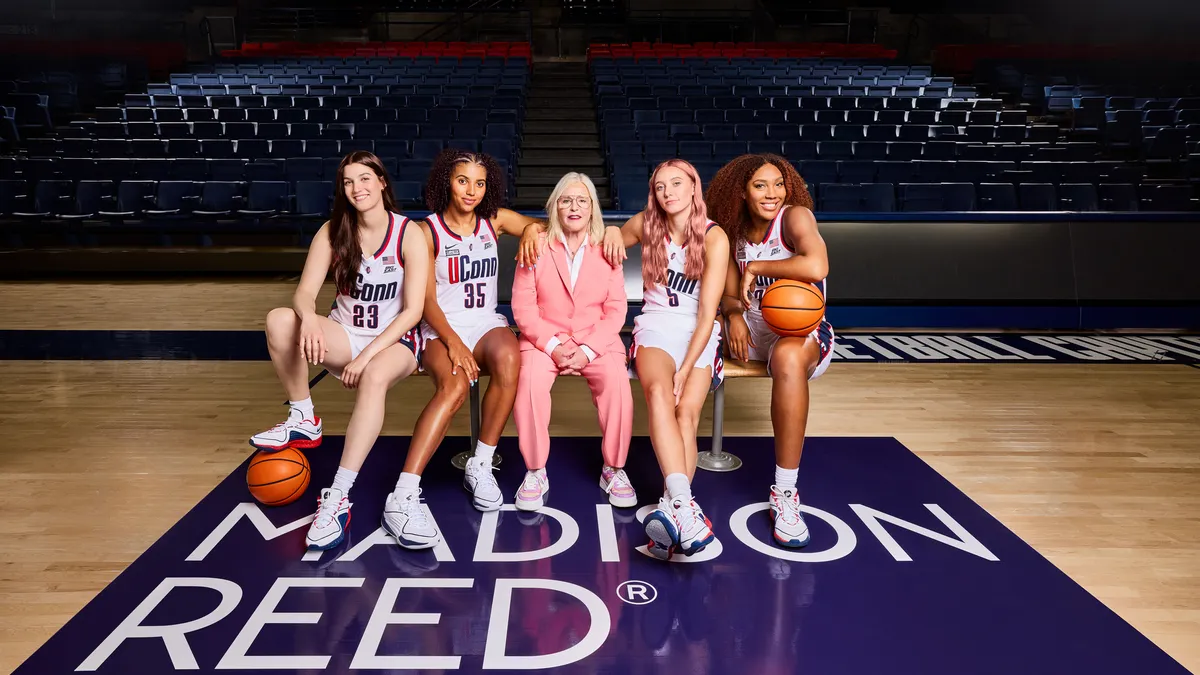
(715, 459)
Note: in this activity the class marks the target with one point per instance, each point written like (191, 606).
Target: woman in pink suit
(570, 309)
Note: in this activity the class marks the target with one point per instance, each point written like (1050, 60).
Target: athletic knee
(281, 324)
(687, 418)
(505, 369)
(659, 391)
(374, 381)
(791, 360)
(454, 389)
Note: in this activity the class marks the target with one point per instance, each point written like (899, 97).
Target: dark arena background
(1001, 467)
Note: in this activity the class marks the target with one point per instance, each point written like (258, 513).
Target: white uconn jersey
(378, 291)
(467, 269)
(772, 247)
(679, 295)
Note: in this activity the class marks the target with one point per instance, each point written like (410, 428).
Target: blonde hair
(554, 229)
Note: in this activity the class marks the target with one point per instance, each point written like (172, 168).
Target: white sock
(344, 480)
(484, 450)
(302, 408)
(785, 479)
(678, 487)
(408, 482)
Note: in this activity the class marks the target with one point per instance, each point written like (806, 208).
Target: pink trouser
(608, 379)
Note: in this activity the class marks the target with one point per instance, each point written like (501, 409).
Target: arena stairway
(560, 134)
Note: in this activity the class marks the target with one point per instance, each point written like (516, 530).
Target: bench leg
(460, 460)
(717, 459)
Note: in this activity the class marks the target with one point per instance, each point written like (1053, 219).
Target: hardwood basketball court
(1094, 466)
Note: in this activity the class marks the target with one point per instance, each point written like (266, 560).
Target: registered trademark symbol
(636, 592)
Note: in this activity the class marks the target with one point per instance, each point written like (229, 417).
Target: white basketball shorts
(765, 340)
(470, 329)
(672, 334)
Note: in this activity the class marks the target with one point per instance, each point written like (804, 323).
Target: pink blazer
(544, 305)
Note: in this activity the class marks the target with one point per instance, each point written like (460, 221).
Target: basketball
(792, 308)
(278, 478)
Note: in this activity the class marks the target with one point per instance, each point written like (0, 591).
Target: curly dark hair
(437, 186)
(727, 190)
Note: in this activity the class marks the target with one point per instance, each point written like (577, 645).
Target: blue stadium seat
(854, 198)
(313, 198)
(91, 196)
(174, 199)
(219, 199)
(1167, 198)
(50, 198)
(1038, 197)
(996, 197)
(1078, 197)
(408, 192)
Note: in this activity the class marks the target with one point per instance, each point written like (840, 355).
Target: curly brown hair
(727, 191)
(437, 186)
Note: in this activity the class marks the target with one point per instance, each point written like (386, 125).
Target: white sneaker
(662, 528)
(405, 519)
(790, 529)
(479, 481)
(695, 531)
(291, 433)
(532, 493)
(620, 491)
(332, 519)
(677, 525)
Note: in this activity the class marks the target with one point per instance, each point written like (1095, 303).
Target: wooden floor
(1096, 467)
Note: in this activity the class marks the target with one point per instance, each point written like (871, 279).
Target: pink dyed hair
(656, 229)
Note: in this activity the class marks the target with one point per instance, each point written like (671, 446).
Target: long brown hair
(726, 197)
(343, 221)
(657, 227)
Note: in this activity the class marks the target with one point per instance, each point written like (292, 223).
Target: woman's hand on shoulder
(529, 250)
(617, 239)
(613, 246)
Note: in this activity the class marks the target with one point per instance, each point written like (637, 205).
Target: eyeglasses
(581, 202)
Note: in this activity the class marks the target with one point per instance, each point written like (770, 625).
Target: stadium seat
(1038, 197)
(996, 197)
(1078, 197)
(266, 198)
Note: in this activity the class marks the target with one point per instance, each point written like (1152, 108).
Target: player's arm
(810, 262)
(433, 314)
(617, 239)
(512, 223)
(712, 286)
(738, 339)
(414, 255)
(731, 297)
(304, 300)
(316, 269)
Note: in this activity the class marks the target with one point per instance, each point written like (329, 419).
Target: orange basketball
(793, 308)
(278, 478)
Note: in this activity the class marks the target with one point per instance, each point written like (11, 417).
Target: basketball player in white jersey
(676, 339)
(461, 327)
(369, 340)
(764, 206)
